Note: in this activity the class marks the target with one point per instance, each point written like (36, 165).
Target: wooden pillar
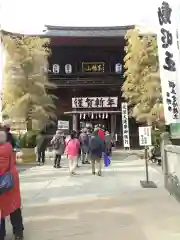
(113, 124)
(115, 130)
(75, 122)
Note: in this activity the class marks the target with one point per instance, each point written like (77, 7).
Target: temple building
(86, 64)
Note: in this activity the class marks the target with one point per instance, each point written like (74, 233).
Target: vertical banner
(1, 77)
(125, 125)
(169, 61)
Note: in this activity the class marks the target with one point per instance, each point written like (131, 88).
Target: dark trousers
(41, 156)
(17, 224)
(57, 160)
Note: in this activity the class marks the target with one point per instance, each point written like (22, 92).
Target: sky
(31, 16)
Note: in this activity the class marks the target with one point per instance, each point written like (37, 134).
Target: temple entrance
(107, 119)
(91, 123)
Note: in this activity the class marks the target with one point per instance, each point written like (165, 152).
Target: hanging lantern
(92, 116)
(68, 68)
(106, 116)
(118, 68)
(103, 116)
(56, 68)
(99, 115)
(84, 116)
(80, 116)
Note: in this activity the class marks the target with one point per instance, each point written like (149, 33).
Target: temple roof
(62, 31)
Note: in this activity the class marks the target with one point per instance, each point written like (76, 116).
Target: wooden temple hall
(86, 64)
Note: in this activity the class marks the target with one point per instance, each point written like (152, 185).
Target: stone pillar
(164, 141)
(75, 122)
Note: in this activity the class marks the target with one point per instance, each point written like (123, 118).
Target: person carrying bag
(6, 180)
(10, 199)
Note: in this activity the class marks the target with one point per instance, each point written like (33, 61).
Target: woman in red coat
(10, 202)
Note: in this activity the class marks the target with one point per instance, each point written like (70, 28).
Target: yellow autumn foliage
(25, 84)
(141, 88)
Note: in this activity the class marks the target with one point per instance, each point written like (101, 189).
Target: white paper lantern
(92, 116)
(68, 68)
(103, 116)
(99, 115)
(106, 115)
(56, 68)
(84, 116)
(80, 116)
(118, 68)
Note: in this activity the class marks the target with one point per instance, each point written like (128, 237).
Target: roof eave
(59, 31)
(114, 31)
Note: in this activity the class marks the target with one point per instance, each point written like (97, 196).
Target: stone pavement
(114, 206)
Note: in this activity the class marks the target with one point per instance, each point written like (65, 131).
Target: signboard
(93, 66)
(63, 125)
(169, 60)
(145, 136)
(95, 102)
(125, 125)
(175, 130)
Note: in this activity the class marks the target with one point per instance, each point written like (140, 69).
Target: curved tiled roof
(114, 31)
(55, 31)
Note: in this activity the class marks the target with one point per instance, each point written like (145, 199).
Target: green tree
(25, 80)
(141, 87)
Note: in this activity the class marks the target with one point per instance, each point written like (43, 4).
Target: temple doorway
(91, 123)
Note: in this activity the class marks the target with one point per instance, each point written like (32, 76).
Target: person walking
(96, 149)
(10, 137)
(101, 134)
(84, 142)
(58, 143)
(10, 201)
(79, 155)
(41, 144)
(108, 143)
(72, 151)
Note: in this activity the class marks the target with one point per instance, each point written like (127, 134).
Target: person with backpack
(96, 149)
(72, 152)
(84, 141)
(58, 143)
(101, 134)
